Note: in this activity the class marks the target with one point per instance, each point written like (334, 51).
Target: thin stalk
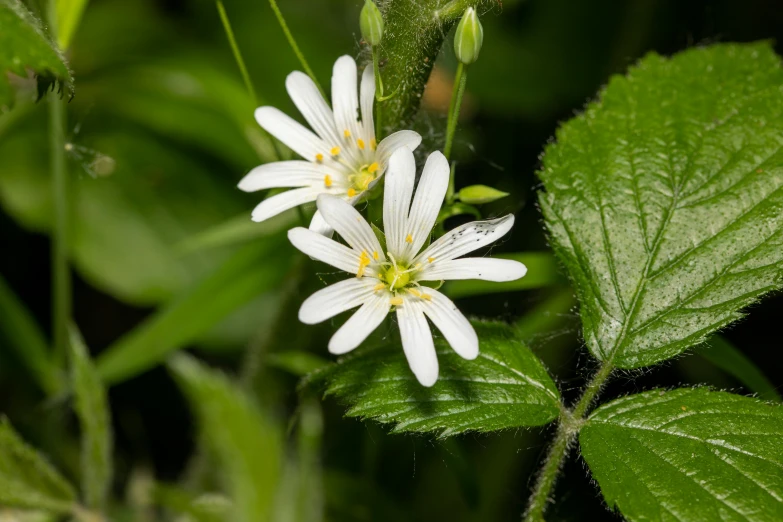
(378, 90)
(567, 430)
(235, 49)
(460, 80)
(294, 46)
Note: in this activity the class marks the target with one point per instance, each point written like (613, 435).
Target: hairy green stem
(294, 46)
(570, 423)
(460, 79)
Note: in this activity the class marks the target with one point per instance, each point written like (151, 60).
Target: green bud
(371, 23)
(468, 37)
(480, 194)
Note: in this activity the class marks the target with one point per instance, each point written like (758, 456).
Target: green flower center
(396, 277)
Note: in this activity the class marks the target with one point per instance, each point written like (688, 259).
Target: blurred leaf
(296, 362)
(20, 331)
(728, 358)
(480, 194)
(69, 14)
(27, 480)
(23, 44)
(247, 444)
(505, 387)
(354, 498)
(688, 454)
(238, 230)
(92, 408)
(542, 271)
(457, 209)
(546, 316)
(201, 508)
(695, 139)
(253, 270)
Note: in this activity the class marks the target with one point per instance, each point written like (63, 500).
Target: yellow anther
(373, 144)
(409, 239)
(426, 297)
(375, 255)
(364, 260)
(396, 301)
(327, 181)
(347, 133)
(414, 292)
(335, 151)
(430, 259)
(360, 143)
(351, 192)
(319, 157)
(373, 168)
(379, 286)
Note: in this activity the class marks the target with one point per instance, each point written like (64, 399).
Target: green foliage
(505, 387)
(541, 272)
(688, 454)
(665, 200)
(27, 480)
(69, 14)
(23, 44)
(248, 444)
(92, 408)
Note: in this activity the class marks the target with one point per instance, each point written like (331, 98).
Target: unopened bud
(371, 23)
(468, 37)
(480, 194)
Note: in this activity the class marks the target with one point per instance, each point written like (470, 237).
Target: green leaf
(541, 272)
(457, 209)
(204, 508)
(688, 454)
(728, 358)
(505, 387)
(23, 44)
(480, 194)
(247, 444)
(296, 362)
(92, 408)
(27, 480)
(253, 270)
(20, 332)
(665, 200)
(69, 14)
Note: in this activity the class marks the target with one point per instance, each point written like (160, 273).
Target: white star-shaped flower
(341, 157)
(391, 279)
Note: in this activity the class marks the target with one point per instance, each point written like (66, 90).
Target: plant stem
(235, 49)
(570, 423)
(460, 80)
(294, 46)
(378, 90)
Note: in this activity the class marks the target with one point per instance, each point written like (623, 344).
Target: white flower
(391, 280)
(342, 157)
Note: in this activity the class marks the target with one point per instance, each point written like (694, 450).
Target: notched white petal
(454, 326)
(361, 324)
(487, 269)
(466, 238)
(295, 173)
(417, 342)
(347, 221)
(278, 203)
(289, 131)
(335, 299)
(324, 249)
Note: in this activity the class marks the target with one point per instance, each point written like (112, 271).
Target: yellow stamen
(347, 133)
(351, 192)
(426, 297)
(379, 286)
(373, 144)
(409, 239)
(327, 181)
(335, 151)
(430, 259)
(360, 143)
(414, 292)
(364, 260)
(373, 168)
(319, 157)
(375, 255)
(396, 301)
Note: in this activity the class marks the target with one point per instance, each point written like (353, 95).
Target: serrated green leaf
(688, 454)
(27, 480)
(92, 408)
(247, 444)
(480, 194)
(23, 44)
(665, 200)
(542, 271)
(505, 387)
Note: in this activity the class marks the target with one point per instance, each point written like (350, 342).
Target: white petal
(452, 324)
(466, 238)
(318, 224)
(294, 135)
(389, 145)
(347, 221)
(324, 249)
(488, 269)
(361, 324)
(278, 203)
(398, 190)
(417, 342)
(335, 299)
(311, 104)
(296, 173)
(345, 100)
(426, 204)
(367, 96)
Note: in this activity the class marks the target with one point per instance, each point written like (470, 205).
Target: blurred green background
(161, 130)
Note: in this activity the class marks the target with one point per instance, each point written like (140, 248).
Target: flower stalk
(294, 46)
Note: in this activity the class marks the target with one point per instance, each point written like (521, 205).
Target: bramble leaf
(505, 387)
(688, 454)
(664, 200)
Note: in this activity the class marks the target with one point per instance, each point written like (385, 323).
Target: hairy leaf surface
(688, 454)
(665, 200)
(505, 387)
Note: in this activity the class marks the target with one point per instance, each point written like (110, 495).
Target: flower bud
(480, 194)
(468, 37)
(371, 23)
